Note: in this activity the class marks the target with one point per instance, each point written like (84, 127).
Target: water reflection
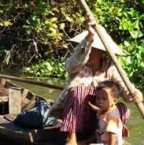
(135, 124)
(46, 92)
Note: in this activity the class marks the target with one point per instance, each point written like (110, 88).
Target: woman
(87, 66)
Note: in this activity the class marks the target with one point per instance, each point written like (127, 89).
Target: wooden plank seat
(32, 136)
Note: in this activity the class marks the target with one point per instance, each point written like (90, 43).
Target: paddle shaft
(31, 82)
(122, 73)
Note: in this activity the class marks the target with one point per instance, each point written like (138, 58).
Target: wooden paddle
(102, 33)
(31, 82)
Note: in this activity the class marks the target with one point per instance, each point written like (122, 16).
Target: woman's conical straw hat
(97, 43)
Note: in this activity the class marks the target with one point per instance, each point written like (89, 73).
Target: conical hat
(97, 43)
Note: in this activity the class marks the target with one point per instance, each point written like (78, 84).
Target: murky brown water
(135, 124)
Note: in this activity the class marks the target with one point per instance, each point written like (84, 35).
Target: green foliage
(47, 68)
(36, 28)
(43, 22)
(123, 20)
(134, 64)
(35, 33)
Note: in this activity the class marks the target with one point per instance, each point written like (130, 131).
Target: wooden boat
(13, 100)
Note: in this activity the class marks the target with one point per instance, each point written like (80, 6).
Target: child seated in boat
(112, 115)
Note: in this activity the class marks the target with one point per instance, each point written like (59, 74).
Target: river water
(135, 123)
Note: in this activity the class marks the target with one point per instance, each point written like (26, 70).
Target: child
(111, 114)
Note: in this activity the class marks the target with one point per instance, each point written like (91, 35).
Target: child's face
(105, 99)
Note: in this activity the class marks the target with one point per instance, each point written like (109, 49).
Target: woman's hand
(91, 25)
(137, 96)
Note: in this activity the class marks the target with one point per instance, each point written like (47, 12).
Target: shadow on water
(135, 124)
(49, 93)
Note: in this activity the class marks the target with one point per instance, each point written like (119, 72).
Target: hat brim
(97, 43)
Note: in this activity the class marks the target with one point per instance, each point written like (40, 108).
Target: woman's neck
(95, 67)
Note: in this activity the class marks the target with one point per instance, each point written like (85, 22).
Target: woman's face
(95, 56)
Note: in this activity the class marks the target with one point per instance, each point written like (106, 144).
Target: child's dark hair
(108, 84)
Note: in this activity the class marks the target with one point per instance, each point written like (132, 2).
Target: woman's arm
(81, 53)
(125, 94)
(79, 58)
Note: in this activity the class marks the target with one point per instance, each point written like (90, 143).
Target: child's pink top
(109, 122)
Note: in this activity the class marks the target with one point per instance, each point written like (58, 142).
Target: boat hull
(8, 112)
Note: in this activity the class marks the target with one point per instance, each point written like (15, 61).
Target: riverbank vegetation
(34, 34)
